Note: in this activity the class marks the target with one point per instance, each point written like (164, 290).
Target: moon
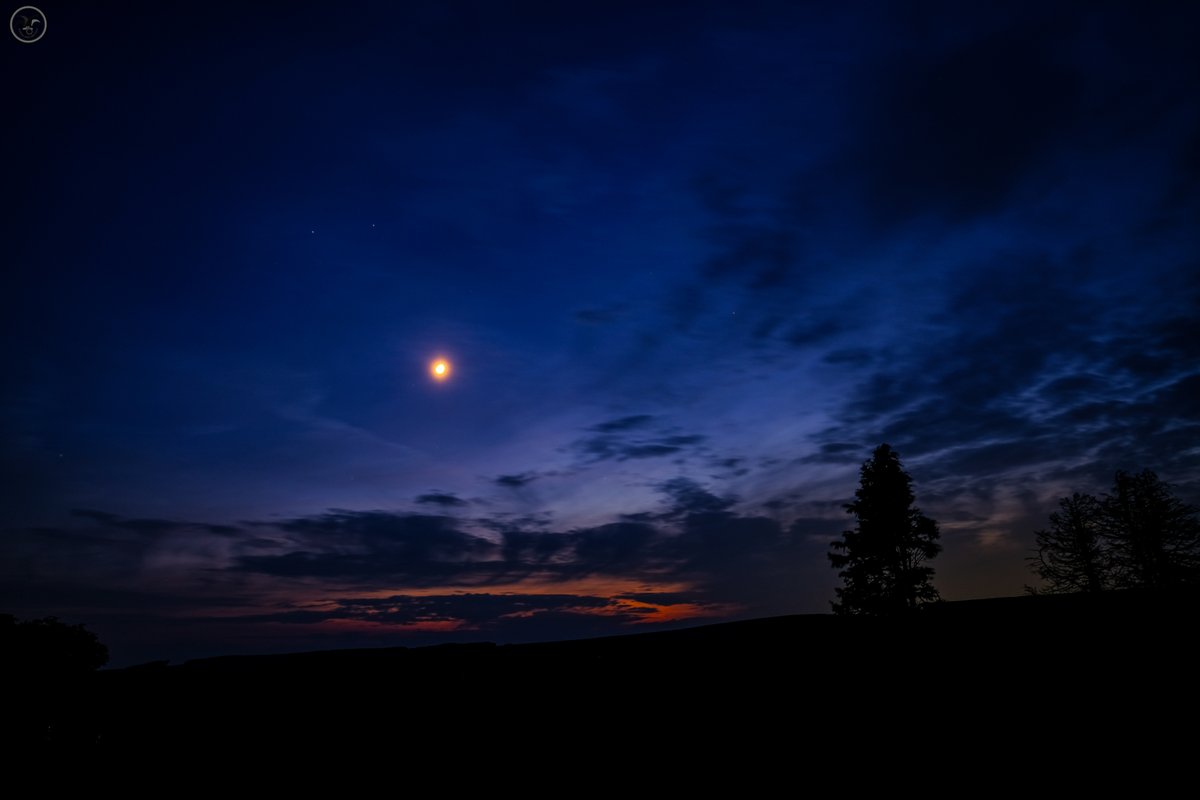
(439, 368)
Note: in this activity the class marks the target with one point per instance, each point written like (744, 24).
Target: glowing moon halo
(439, 368)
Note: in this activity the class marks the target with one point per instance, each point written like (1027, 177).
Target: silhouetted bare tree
(882, 561)
(1071, 554)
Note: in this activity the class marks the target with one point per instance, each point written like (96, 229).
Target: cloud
(469, 608)
(600, 316)
(615, 548)
(423, 550)
(1068, 388)
(622, 424)
(626, 548)
(33, 594)
(850, 356)
(955, 130)
(145, 527)
(689, 497)
(472, 608)
(1020, 399)
(730, 561)
(715, 562)
(836, 452)
(763, 256)
(606, 448)
(627, 438)
(444, 499)
(729, 467)
(418, 548)
(151, 527)
(815, 331)
(516, 481)
(500, 616)
(821, 529)
(698, 540)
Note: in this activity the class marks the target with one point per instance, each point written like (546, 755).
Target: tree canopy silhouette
(1138, 535)
(882, 561)
(46, 648)
(1154, 536)
(1072, 554)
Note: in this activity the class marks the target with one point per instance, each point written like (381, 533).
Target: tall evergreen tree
(1154, 536)
(882, 561)
(1071, 554)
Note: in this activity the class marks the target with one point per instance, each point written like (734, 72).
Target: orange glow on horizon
(631, 612)
(654, 612)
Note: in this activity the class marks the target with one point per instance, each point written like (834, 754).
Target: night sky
(689, 264)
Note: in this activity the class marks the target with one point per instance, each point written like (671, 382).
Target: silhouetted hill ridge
(1031, 615)
(954, 666)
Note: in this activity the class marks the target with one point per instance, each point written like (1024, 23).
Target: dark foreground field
(1012, 668)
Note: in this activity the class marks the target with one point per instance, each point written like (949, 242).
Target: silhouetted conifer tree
(1154, 536)
(882, 561)
(1072, 555)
